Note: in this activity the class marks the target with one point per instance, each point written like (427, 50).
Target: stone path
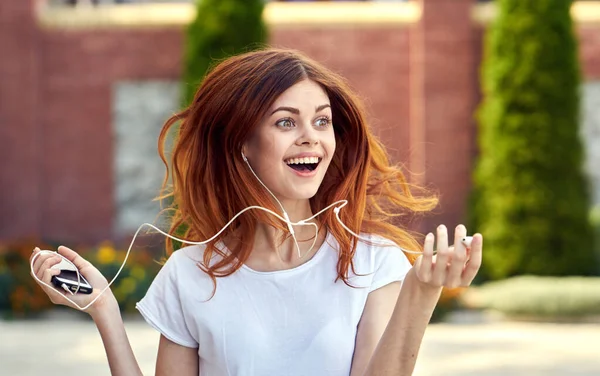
(58, 346)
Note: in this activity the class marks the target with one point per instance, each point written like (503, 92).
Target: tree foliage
(531, 198)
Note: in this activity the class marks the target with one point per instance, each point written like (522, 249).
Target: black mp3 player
(69, 279)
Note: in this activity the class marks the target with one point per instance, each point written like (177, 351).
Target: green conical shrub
(531, 195)
(222, 28)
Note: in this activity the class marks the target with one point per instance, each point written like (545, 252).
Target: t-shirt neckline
(316, 257)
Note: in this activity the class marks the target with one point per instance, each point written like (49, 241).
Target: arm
(121, 359)
(105, 311)
(174, 359)
(377, 313)
(396, 352)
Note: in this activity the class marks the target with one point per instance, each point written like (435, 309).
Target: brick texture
(443, 98)
(20, 153)
(419, 84)
(589, 51)
(79, 70)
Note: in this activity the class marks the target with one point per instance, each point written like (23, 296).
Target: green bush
(531, 197)
(20, 295)
(538, 297)
(222, 28)
(135, 278)
(595, 221)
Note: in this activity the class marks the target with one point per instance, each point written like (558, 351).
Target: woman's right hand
(42, 269)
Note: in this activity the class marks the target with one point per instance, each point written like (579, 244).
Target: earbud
(244, 157)
(467, 241)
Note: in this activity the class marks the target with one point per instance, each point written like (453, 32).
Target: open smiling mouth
(307, 164)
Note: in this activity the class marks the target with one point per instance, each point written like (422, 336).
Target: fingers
(54, 294)
(425, 261)
(73, 256)
(441, 258)
(45, 261)
(451, 266)
(459, 258)
(47, 275)
(474, 262)
(35, 251)
(33, 255)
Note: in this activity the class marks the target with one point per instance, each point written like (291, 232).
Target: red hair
(211, 183)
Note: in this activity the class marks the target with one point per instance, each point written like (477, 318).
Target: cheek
(270, 154)
(330, 144)
(262, 147)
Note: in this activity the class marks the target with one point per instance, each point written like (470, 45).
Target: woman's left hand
(451, 266)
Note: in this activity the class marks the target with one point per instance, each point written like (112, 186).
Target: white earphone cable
(285, 218)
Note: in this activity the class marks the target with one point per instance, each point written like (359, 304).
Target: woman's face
(292, 147)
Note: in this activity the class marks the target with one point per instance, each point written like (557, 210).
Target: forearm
(121, 359)
(397, 351)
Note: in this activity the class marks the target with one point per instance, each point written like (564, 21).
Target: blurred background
(493, 104)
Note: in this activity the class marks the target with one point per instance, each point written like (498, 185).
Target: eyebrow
(297, 111)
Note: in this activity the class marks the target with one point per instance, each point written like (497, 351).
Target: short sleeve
(162, 308)
(391, 265)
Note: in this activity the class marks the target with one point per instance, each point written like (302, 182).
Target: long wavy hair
(207, 182)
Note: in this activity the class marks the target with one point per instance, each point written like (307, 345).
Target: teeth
(305, 160)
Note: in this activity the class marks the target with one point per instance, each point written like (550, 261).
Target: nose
(308, 136)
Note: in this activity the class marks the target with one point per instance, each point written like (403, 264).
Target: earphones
(286, 217)
(67, 264)
(285, 214)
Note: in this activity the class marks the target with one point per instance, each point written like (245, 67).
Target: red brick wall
(420, 84)
(78, 71)
(79, 68)
(443, 91)
(589, 51)
(19, 129)
(364, 57)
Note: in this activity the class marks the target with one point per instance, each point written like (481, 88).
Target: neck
(297, 209)
(268, 239)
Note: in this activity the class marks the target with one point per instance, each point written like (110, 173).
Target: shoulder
(187, 256)
(376, 247)
(185, 265)
(184, 274)
(379, 255)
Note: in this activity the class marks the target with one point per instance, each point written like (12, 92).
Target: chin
(305, 195)
(301, 194)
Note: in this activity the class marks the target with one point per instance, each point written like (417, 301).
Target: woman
(275, 129)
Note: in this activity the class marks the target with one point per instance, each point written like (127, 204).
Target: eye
(323, 122)
(285, 123)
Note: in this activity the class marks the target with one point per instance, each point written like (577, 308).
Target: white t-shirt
(285, 323)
